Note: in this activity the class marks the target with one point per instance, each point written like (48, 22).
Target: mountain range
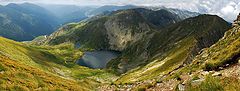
(24, 22)
(158, 49)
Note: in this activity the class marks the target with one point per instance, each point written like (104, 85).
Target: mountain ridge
(26, 21)
(159, 50)
(138, 38)
(136, 11)
(160, 43)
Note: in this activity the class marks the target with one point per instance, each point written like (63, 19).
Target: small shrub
(2, 81)
(2, 68)
(159, 81)
(141, 89)
(177, 76)
(195, 77)
(209, 66)
(19, 88)
(212, 84)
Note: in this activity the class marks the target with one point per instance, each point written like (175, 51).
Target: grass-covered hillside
(171, 47)
(25, 67)
(214, 68)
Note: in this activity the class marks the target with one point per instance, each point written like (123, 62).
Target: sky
(227, 9)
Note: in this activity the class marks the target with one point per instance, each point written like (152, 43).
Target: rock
(205, 73)
(205, 55)
(217, 74)
(1, 72)
(198, 82)
(221, 68)
(227, 65)
(181, 87)
(211, 71)
(185, 82)
(158, 84)
(236, 22)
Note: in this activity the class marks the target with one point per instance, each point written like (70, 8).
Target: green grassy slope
(30, 67)
(215, 68)
(19, 77)
(225, 51)
(222, 57)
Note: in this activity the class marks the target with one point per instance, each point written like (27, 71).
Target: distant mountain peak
(11, 4)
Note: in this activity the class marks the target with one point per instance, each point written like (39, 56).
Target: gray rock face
(120, 36)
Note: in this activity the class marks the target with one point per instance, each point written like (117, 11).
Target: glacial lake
(97, 59)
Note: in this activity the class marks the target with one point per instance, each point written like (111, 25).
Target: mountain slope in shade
(108, 8)
(69, 13)
(25, 21)
(72, 13)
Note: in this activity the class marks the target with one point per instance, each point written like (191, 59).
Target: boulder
(217, 74)
(198, 82)
(181, 87)
(205, 73)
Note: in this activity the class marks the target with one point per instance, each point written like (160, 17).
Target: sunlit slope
(222, 58)
(48, 68)
(18, 76)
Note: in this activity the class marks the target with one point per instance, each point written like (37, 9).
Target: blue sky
(228, 9)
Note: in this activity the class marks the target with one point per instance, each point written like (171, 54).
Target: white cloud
(228, 9)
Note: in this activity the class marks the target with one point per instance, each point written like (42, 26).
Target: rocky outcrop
(237, 21)
(125, 28)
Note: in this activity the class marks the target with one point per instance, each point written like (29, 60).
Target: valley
(116, 48)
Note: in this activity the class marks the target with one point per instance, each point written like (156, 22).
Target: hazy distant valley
(48, 47)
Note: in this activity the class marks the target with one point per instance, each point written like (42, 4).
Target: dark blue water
(97, 59)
